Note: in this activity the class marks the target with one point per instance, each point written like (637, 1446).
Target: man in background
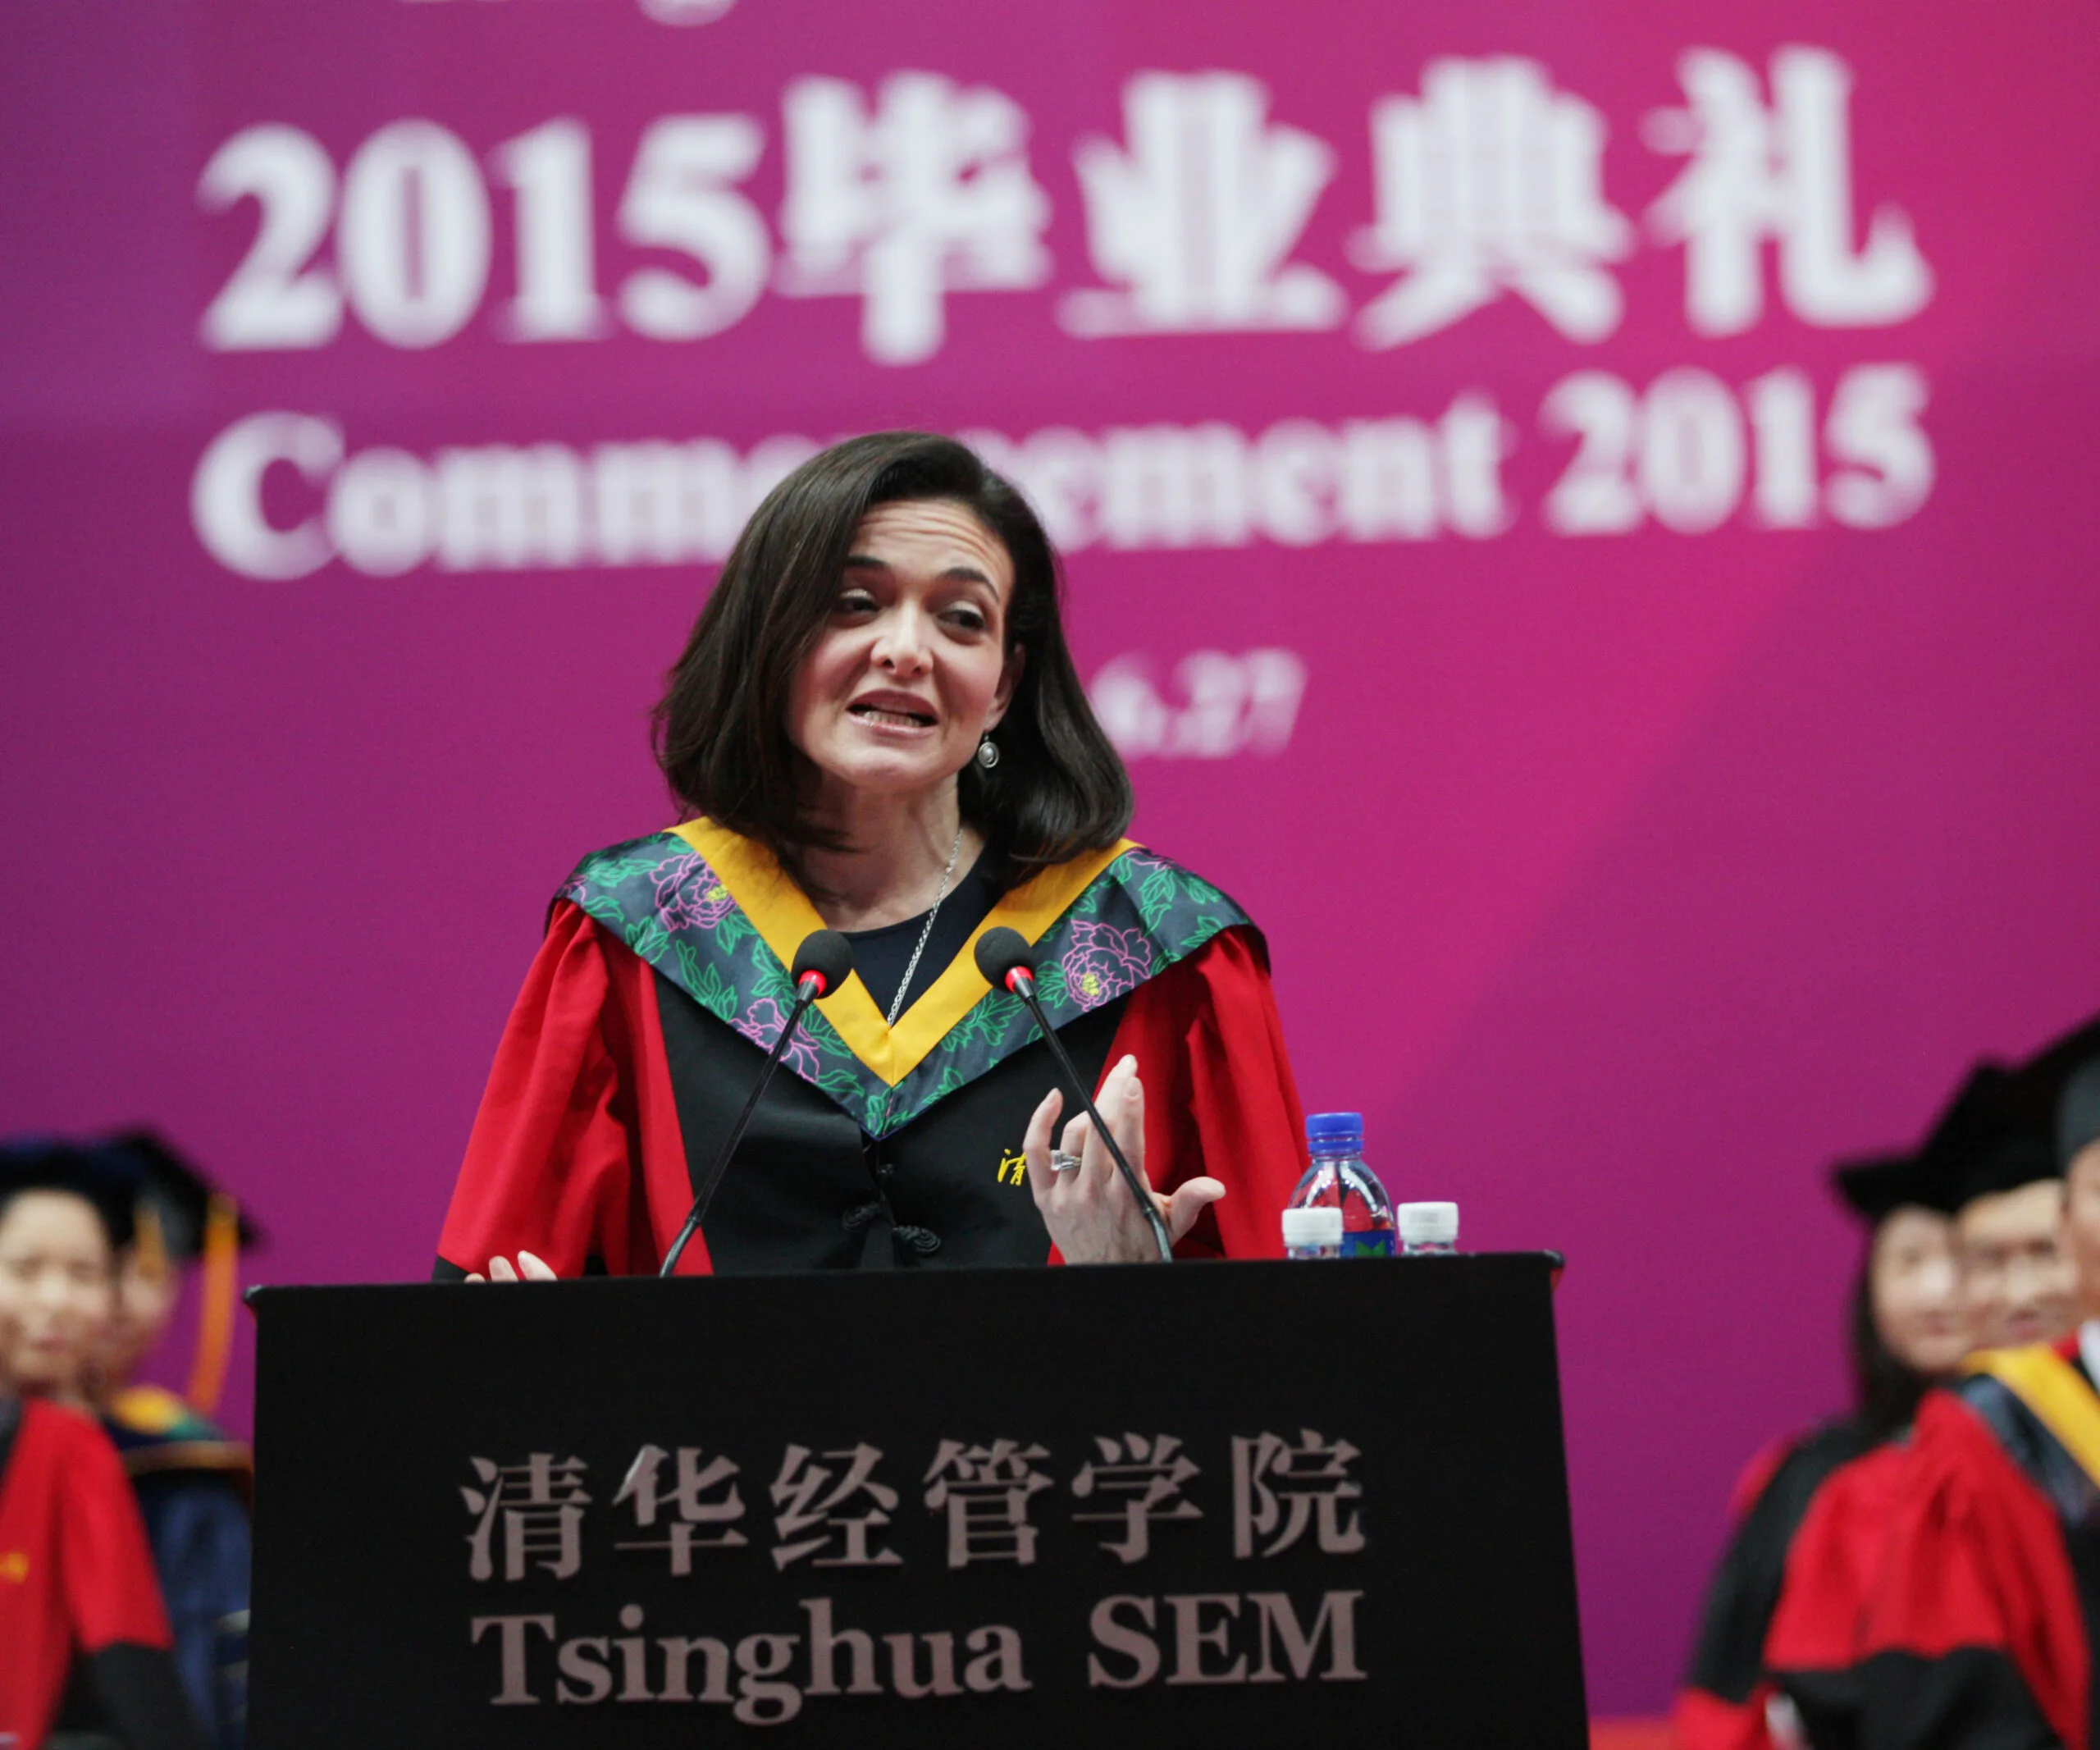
(2017, 1283)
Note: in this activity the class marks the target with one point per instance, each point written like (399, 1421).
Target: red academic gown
(1946, 1589)
(578, 1153)
(77, 1576)
(1726, 1702)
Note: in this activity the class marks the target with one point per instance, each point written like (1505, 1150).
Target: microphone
(1008, 963)
(822, 964)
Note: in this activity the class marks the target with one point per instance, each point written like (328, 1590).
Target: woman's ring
(1061, 1162)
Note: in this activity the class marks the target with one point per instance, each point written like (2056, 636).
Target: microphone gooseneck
(822, 964)
(1008, 963)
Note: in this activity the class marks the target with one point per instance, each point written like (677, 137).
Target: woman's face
(143, 1304)
(910, 669)
(1916, 1286)
(56, 1292)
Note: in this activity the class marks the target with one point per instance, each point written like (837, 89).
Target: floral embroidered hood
(681, 912)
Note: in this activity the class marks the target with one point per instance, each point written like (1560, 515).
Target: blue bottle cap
(1330, 1129)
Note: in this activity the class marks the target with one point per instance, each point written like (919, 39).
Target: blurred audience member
(2017, 1284)
(1906, 1330)
(78, 1597)
(1961, 1567)
(193, 1483)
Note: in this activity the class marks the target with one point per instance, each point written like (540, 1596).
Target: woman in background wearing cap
(1906, 1331)
(77, 1583)
(194, 1481)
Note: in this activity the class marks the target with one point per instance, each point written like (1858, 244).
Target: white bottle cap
(1321, 1225)
(1428, 1223)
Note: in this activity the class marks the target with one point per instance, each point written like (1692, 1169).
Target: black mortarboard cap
(1987, 1139)
(48, 1163)
(1876, 1185)
(2017, 1158)
(178, 1195)
(2036, 1088)
(2006, 1126)
(2078, 1113)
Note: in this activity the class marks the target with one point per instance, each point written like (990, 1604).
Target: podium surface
(1219, 1504)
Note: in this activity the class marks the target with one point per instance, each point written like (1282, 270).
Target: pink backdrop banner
(1580, 519)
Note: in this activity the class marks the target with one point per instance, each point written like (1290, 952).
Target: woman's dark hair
(1885, 1391)
(38, 1163)
(721, 728)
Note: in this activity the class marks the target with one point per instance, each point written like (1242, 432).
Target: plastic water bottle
(1339, 1179)
(1316, 1232)
(1428, 1230)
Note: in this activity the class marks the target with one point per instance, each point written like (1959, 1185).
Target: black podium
(1217, 1505)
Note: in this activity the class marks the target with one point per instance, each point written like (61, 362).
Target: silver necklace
(896, 1003)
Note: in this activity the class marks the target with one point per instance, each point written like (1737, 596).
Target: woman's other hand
(529, 1269)
(1089, 1211)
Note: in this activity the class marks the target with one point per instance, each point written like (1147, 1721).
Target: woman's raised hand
(530, 1269)
(1089, 1210)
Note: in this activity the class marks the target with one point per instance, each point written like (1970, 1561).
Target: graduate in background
(78, 1595)
(2017, 1283)
(1907, 1331)
(193, 1481)
(1960, 1574)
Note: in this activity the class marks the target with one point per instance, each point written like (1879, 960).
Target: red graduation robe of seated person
(76, 1577)
(1726, 1701)
(1951, 1591)
(662, 980)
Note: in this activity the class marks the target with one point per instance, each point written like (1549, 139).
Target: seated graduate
(876, 726)
(193, 1480)
(1906, 1331)
(81, 1620)
(1958, 1594)
(2017, 1283)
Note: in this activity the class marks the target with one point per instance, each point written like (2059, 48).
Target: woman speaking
(876, 727)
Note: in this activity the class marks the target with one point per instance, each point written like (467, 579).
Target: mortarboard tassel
(222, 1288)
(149, 1243)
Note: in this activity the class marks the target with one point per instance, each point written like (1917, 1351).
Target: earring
(988, 752)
